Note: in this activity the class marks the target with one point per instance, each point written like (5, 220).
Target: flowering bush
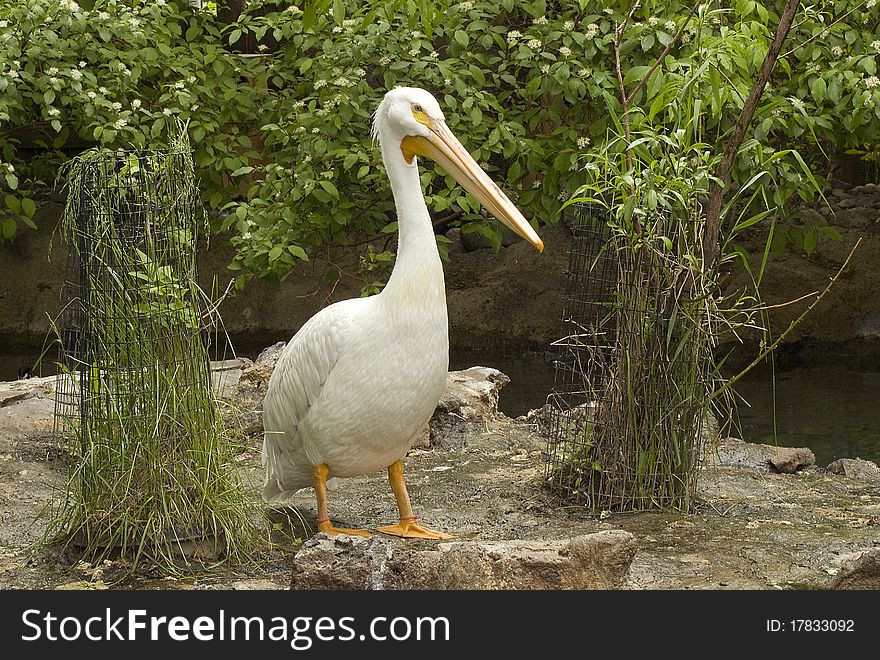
(282, 136)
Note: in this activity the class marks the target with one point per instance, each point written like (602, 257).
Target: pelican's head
(411, 118)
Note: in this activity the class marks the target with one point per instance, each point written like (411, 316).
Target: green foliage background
(281, 134)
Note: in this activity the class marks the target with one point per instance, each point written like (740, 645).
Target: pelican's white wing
(296, 384)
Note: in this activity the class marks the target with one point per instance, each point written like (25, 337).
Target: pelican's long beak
(443, 148)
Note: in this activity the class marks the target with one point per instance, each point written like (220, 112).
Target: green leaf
(462, 38)
(14, 204)
(28, 207)
(275, 252)
(11, 181)
(245, 169)
(818, 89)
(298, 252)
(329, 187)
(811, 242)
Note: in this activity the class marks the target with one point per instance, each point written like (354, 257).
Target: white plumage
(362, 377)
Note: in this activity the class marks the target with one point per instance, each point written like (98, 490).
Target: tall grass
(154, 475)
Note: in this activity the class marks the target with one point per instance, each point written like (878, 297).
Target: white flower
(92, 95)
(135, 23)
(300, 129)
(121, 66)
(359, 72)
(568, 25)
(337, 29)
(76, 74)
(12, 73)
(447, 82)
(465, 6)
(166, 112)
(385, 60)
(191, 80)
(320, 83)
(414, 52)
(777, 112)
(246, 236)
(565, 51)
(4, 24)
(53, 112)
(53, 81)
(161, 3)
(415, 34)
(669, 26)
(103, 15)
(434, 55)
(608, 10)
(876, 45)
(534, 44)
(349, 22)
(316, 130)
(82, 64)
(584, 73)
(591, 167)
(591, 31)
(870, 3)
(541, 20)
(545, 68)
(343, 82)
(116, 105)
(653, 21)
(121, 123)
(872, 82)
(103, 90)
(512, 36)
(136, 104)
(837, 51)
(583, 142)
(53, 71)
(179, 85)
(299, 104)
(796, 102)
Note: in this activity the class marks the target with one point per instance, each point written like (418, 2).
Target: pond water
(834, 410)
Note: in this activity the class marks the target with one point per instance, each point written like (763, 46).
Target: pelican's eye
(418, 108)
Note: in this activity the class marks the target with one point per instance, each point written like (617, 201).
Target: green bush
(282, 136)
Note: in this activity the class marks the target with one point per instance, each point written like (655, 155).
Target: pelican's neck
(418, 272)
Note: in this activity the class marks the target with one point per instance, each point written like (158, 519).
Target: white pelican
(362, 377)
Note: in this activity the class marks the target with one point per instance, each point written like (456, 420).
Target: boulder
(856, 468)
(592, 561)
(468, 403)
(861, 572)
(251, 389)
(733, 452)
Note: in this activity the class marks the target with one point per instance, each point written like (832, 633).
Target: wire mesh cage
(629, 394)
(134, 391)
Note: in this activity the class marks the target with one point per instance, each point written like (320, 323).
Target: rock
(251, 389)
(734, 452)
(862, 572)
(789, 460)
(856, 468)
(593, 561)
(468, 403)
(846, 203)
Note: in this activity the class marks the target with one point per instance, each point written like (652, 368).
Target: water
(834, 410)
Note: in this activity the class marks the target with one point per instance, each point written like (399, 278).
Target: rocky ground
(751, 528)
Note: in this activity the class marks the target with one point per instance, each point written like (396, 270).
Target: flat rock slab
(733, 452)
(592, 561)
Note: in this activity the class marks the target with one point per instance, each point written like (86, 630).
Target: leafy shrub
(282, 135)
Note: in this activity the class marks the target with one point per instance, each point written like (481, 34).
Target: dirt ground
(749, 530)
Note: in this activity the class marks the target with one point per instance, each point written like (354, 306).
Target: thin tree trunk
(722, 174)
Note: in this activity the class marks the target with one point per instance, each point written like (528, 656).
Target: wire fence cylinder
(134, 390)
(631, 376)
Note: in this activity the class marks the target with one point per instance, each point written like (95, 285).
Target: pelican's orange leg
(319, 474)
(408, 527)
